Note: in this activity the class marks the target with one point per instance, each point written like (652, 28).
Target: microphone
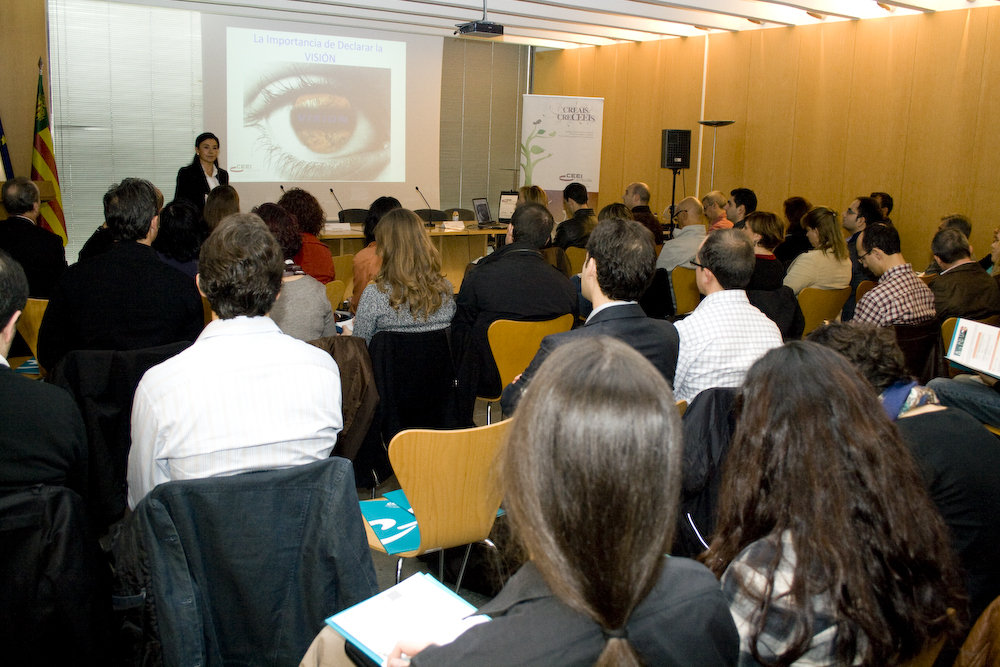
(282, 188)
(336, 199)
(430, 221)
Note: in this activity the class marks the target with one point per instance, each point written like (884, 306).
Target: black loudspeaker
(675, 149)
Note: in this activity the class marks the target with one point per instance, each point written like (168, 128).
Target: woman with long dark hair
(196, 180)
(591, 471)
(829, 548)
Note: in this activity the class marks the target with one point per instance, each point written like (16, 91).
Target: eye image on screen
(318, 122)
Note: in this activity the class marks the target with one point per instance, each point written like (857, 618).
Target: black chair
(464, 214)
(782, 308)
(708, 430)
(923, 350)
(353, 216)
(432, 215)
(55, 593)
(242, 570)
(103, 383)
(658, 299)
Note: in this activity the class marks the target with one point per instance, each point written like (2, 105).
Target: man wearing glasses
(862, 211)
(689, 232)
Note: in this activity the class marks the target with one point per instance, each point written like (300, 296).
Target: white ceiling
(574, 23)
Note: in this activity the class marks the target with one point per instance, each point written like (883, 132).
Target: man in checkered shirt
(725, 334)
(900, 296)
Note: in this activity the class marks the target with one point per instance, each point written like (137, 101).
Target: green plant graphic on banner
(531, 153)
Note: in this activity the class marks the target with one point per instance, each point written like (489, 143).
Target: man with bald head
(714, 204)
(689, 219)
(637, 199)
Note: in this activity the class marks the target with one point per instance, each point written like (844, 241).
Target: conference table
(457, 247)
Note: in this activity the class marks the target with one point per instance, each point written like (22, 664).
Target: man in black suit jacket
(126, 298)
(620, 263)
(42, 438)
(39, 252)
(514, 283)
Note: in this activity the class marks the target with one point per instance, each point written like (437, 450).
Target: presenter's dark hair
(599, 422)
(282, 225)
(240, 267)
(306, 209)
(625, 257)
(197, 142)
(129, 209)
(728, 254)
(19, 195)
(577, 192)
(182, 231)
(881, 235)
(379, 207)
(795, 208)
(13, 288)
(746, 198)
(815, 460)
(532, 224)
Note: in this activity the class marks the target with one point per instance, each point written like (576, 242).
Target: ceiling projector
(480, 29)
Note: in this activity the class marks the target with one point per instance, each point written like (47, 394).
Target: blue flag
(8, 169)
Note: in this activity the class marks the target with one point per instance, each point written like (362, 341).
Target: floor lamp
(716, 124)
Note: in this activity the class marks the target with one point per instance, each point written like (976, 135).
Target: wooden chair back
(206, 310)
(449, 479)
(864, 287)
(514, 343)
(31, 321)
(928, 278)
(343, 269)
(821, 304)
(682, 407)
(686, 294)
(576, 258)
(335, 291)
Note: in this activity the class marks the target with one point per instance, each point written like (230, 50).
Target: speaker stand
(715, 124)
(673, 198)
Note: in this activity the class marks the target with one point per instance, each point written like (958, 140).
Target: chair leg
(465, 561)
(399, 568)
(441, 565)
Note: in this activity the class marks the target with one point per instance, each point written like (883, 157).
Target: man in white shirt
(245, 396)
(725, 334)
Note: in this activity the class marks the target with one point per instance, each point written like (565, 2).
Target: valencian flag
(43, 165)
(8, 169)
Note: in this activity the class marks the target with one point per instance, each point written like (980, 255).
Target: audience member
(531, 194)
(126, 298)
(615, 210)
(619, 266)
(302, 309)
(102, 241)
(688, 235)
(958, 458)
(765, 232)
(314, 257)
(900, 297)
(222, 202)
(964, 225)
(796, 242)
(963, 289)
(741, 203)
(829, 548)
(513, 283)
(245, 396)
(42, 437)
(725, 334)
(714, 205)
(180, 236)
(580, 220)
(637, 199)
(597, 589)
(39, 252)
(409, 292)
(863, 211)
(884, 201)
(828, 264)
(366, 261)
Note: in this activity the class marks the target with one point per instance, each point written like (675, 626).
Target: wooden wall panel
(980, 200)
(726, 91)
(768, 132)
(611, 74)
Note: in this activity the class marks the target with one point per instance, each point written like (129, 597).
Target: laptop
(508, 202)
(483, 217)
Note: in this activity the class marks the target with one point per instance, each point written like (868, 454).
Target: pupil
(324, 123)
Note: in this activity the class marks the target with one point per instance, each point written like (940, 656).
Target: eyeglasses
(698, 264)
(861, 257)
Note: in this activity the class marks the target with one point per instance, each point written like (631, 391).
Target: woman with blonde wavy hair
(409, 293)
(827, 265)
